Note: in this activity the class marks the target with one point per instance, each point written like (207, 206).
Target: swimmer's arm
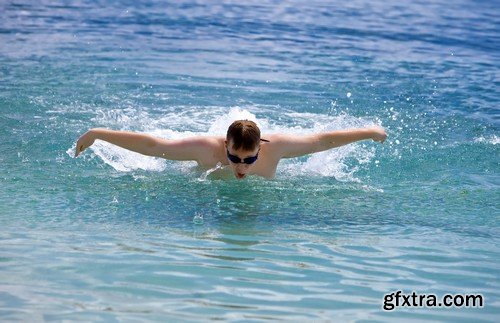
(289, 146)
(182, 149)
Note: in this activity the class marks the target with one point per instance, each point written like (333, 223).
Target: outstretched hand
(378, 134)
(85, 141)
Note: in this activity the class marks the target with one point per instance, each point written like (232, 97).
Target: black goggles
(236, 160)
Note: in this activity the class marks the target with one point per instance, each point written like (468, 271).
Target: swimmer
(242, 149)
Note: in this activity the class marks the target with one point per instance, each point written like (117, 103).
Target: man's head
(242, 146)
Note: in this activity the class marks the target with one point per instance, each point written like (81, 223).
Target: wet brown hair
(245, 135)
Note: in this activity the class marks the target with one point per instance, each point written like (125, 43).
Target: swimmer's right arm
(181, 149)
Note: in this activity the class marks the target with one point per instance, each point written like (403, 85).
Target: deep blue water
(110, 235)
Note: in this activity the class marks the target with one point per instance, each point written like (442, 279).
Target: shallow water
(113, 235)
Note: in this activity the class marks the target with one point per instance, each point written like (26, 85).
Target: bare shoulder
(283, 138)
(209, 150)
(275, 139)
(274, 145)
(209, 142)
(291, 145)
(213, 142)
(198, 142)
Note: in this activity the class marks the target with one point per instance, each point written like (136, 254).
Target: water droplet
(198, 218)
(349, 94)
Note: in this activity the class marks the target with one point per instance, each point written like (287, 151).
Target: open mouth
(240, 175)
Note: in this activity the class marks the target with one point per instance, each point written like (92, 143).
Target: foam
(493, 140)
(180, 122)
(124, 160)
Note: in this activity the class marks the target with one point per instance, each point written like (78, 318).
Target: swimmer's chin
(240, 176)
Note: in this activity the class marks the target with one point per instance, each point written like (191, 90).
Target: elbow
(153, 147)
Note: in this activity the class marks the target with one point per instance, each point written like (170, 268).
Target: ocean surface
(116, 236)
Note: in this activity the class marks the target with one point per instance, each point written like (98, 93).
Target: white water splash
(494, 140)
(221, 123)
(204, 176)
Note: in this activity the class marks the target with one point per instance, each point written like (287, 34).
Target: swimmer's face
(239, 167)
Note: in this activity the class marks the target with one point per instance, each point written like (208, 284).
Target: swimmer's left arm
(289, 146)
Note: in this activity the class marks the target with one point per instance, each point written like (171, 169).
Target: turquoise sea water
(115, 236)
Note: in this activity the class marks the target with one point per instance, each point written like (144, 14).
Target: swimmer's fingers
(381, 140)
(379, 134)
(85, 141)
(79, 148)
